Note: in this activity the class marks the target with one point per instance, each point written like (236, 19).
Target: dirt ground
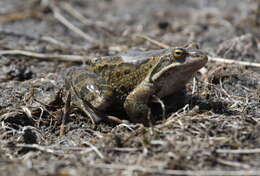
(215, 133)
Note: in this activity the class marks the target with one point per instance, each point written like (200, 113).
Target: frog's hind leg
(86, 107)
(96, 116)
(91, 93)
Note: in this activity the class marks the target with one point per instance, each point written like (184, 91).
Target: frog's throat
(153, 76)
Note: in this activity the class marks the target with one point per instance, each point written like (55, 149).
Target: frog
(129, 82)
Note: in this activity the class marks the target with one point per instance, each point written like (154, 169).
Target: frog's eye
(179, 53)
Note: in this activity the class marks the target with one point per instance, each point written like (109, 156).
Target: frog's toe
(91, 113)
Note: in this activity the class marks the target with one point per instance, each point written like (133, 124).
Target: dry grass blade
(72, 58)
(94, 149)
(72, 27)
(41, 148)
(239, 151)
(75, 13)
(215, 59)
(233, 164)
(65, 114)
(153, 41)
(230, 61)
(18, 16)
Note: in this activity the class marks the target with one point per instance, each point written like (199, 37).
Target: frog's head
(177, 67)
(190, 56)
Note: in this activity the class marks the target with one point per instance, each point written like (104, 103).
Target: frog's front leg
(136, 103)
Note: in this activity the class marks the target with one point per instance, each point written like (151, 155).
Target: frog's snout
(197, 59)
(198, 55)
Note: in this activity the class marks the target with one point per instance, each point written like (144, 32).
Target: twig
(47, 39)
(18, 16)
(59, 151)
(230, 61)
(239, 151)
(27, 111)
(95, 149)
(75, 13)
(72, 27)
(176, 172)
(40, 147)
(60, 44)
(123, 149)
(233, 163)
(72, 58)
(214, 59)
(153, 41)
(174, 117)
(65, 115)
(124, 125)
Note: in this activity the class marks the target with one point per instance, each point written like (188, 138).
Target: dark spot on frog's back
(122, 72)
(127, 71)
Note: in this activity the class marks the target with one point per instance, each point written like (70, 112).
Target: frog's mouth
(193, 63)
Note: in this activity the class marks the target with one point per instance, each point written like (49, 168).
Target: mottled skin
(132, 80)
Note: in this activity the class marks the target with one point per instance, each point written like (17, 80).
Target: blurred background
(115, 23)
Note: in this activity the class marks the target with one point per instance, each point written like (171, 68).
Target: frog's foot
(138, 112)
(116, 120)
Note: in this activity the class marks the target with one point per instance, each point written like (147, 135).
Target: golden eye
(179, 53)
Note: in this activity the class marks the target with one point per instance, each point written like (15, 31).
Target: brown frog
(129, 82)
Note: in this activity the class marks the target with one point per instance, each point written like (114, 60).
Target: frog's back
(123, 74)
